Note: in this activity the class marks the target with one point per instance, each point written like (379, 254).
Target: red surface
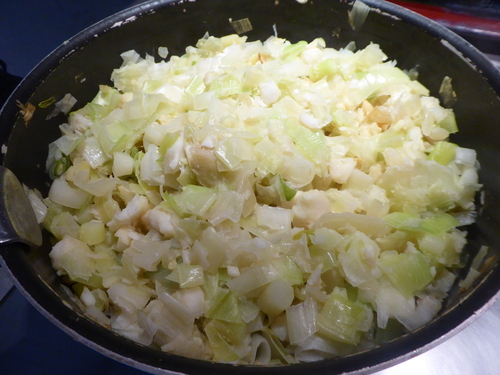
(452, 19)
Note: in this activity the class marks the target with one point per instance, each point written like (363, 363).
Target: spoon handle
(17, 219)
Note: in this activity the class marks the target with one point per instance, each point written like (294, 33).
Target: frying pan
(86, 60)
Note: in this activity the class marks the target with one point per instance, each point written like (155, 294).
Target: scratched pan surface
(86, 60)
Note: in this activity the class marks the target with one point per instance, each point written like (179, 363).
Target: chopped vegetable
(358, 15)
(260, 202)
(241, 26)
(47, 102)
(63, 106)
(26, 111)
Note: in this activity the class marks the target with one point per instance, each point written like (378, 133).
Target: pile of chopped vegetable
(260, 202)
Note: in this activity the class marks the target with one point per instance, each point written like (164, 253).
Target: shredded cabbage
(260, 202)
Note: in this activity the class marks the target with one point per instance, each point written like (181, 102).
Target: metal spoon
(18, 222)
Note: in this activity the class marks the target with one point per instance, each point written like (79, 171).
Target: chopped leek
(190, 275)
(343, 320)
(287, 190)
(409, 272)
(358, 15)
(443, 152)
(325, 68)
(301, 320)
(275, 298)
(224, 306)
(259, 202)
(293, 50)
(224, 338)
(435, 224)
(58, 167)
(92, 232)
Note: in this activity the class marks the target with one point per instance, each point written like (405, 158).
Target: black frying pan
(85, 61)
